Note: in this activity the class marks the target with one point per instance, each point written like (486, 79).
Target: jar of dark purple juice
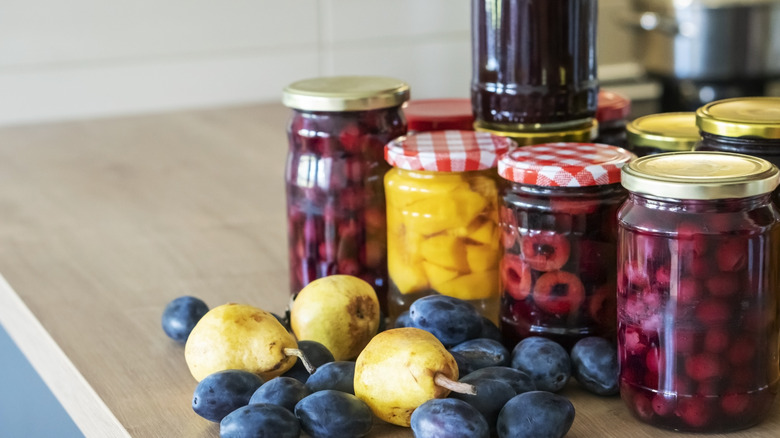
(558, 207)
(663, 132)
(698, 290)
(335, 176)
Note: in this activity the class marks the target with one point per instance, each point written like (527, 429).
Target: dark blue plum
(223, 392)
(491, 396)
(402, 320)
(448, 418)
(595, 365)
(450, 319)
(481, 353)
(490, 330)
(518, 380)
(331, 413)
(181, 315)
(545, 361)
(283, 391)
(338, 375)
(264, 420)
(317, 354)
(535, 414)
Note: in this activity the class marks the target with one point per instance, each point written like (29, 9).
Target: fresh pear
(402, 368)
(242, 337)
(340, 312)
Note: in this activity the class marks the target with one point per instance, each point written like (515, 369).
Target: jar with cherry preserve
(425, 115)
(663, 132)
(612, 114)
(698, 290)
(442, 218)
(334, 176)
(745, 125)
(558, 207)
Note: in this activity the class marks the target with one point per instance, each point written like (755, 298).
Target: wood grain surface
(102, 222)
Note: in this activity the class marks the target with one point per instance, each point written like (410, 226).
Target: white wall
(87, 58)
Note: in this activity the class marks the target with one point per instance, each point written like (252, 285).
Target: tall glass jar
(442, 218)
(663, 132)
(533, 62)
(334, 176)
(558, 207)
(698, 290)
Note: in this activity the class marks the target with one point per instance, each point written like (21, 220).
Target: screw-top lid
(564, 164)
(741, 117)
(439, 114)
(612, 106)
(665, 131)
(545, 133)
(345, 93)
(700, 175)
(446, 151)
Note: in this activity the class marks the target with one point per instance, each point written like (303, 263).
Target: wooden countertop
(103, 222)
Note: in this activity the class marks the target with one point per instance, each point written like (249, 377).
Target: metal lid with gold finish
(666, 131)
(700, 175)
(548, 133)
(345, 93)
(741, 117)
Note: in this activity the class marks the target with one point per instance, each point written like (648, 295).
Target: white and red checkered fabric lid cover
(564, 164)
(447, 151)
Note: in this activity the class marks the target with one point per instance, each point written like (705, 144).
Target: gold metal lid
(741, 117)
(700, 175)
(665, 131)
(345, 93)
(581, 133)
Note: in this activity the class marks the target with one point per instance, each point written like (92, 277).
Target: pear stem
(454, 386)
(299, 354)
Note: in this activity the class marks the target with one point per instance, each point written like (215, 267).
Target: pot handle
(650, 21)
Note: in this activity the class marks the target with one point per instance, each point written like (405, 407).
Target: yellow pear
(239, 336)
(340, 312)
(402, 368)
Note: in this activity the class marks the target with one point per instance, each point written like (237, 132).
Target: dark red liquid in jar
(335, 194)
(534, 61)
(698, 311)
(558, 270)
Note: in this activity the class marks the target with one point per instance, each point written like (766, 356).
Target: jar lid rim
(741, 117)
(345, 93)
(672, 131)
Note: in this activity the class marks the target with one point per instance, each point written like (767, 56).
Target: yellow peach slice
(474, 286)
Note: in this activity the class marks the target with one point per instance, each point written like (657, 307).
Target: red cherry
(559, 292)
(663, 404)
(654, 360)
(732, 254)
(685, 342)
(663, 276)
(703, 366)
(545, 251)
(348, 267)
(734, 404)
(713, 312)
(716, 340)
(349, 138)
(694, 411)
(633, 342)
(724, 284)
(642, 406)
(742, 351)
(689, 290)
(691, 239)
(515, 276)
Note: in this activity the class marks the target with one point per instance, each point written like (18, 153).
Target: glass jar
(334, 176)
(549, 133)
(698, 290)
(663, 132)
(612, 112)
(425, 115)
(745, 125)
(533, 62)
(442, 218)
(558, 207)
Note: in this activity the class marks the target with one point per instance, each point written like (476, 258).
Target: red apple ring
(603, 305)
(515, 277)
(545, 251)
(559, 292)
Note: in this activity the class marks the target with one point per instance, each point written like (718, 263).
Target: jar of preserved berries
(334, 176)
(533, 62)
(558, 215)
(663, 132)
(745, 125)
(612, 112)
(442, 218)
(698, 290)
(425, 115)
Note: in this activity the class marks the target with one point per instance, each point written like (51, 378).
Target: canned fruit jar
(442, 218)
(334, 176)
(424, 115)
(698, 290)
(558, 216)
(663, 132)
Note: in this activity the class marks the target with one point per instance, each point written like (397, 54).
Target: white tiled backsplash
(91, 58)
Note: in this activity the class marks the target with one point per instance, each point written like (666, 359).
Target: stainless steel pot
(709, 39)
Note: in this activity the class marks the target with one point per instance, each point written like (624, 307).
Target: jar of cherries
(425, 115)
(698, 290)
(558, 207)
(335, 176)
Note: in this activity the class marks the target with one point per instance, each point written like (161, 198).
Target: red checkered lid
(612, 106)
(564, 164)
(447, 151)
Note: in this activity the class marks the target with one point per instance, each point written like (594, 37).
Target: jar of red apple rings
(745, 125)
(698, 290)
(425, 115)
(612, 113)
(442, 218)
(558, 207)
(663, 132)
(334, 176)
